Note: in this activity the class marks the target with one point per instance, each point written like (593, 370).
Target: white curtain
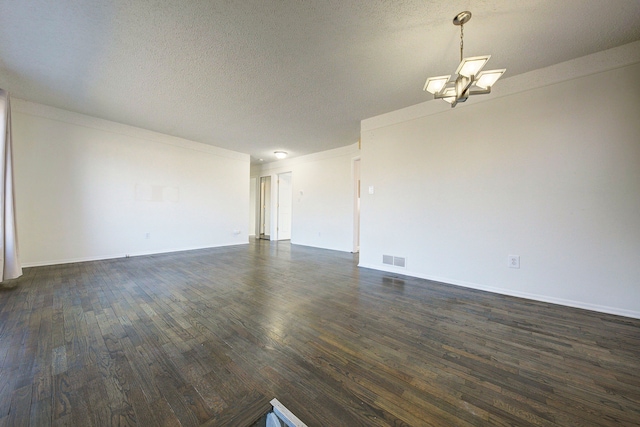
(10, 261)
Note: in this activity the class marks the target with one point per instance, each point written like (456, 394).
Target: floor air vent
(394, 260)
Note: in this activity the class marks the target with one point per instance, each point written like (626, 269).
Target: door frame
(264, 228)
(277, 218)
(356, 171)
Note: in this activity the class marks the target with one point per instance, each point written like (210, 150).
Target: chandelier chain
(461, 40)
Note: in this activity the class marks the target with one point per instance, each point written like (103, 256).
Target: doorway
(285, 197)
(264, 226)
(356, 205)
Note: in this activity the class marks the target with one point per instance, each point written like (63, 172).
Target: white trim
(599, 62)
(286, 415)
(60, 115)
(328, 248)
(286, 164)
(354, 191)
(535, 297)
(130, 255)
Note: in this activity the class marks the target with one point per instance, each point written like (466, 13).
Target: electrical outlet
(147, 235)
(514, 261)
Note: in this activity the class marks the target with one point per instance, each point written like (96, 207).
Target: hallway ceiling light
(470, 79)
(280, 154)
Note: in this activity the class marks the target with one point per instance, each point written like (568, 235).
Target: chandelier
(469, 79)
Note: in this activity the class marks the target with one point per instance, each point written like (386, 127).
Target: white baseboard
(123, 255)
(535, 297)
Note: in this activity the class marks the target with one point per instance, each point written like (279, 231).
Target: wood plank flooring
(209, 337)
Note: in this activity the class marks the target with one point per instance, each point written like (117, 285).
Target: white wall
(92, 189)
(551, 174)
(322, 209)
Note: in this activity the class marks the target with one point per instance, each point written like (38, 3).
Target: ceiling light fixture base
(462, 18)
(280, 154)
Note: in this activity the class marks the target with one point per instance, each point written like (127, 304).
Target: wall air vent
(394, 260)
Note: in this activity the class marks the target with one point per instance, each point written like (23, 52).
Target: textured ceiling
(255, 76)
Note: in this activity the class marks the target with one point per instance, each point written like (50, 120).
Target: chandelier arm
(479, 91)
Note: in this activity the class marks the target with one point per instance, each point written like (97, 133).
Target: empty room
(320, 213)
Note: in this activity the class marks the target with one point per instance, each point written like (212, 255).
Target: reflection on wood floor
(209, 337)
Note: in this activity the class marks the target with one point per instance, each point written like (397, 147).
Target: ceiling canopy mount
(462, 18)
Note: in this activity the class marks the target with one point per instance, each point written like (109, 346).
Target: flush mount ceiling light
(470, 79)
(280, 154)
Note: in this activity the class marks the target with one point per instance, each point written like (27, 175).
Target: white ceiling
(255, 76)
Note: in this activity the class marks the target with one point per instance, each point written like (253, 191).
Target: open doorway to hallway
(285, 197)
(356, 205)
(275, 203)
(264, 225)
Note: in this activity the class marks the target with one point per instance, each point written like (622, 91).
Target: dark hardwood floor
(209, 337)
